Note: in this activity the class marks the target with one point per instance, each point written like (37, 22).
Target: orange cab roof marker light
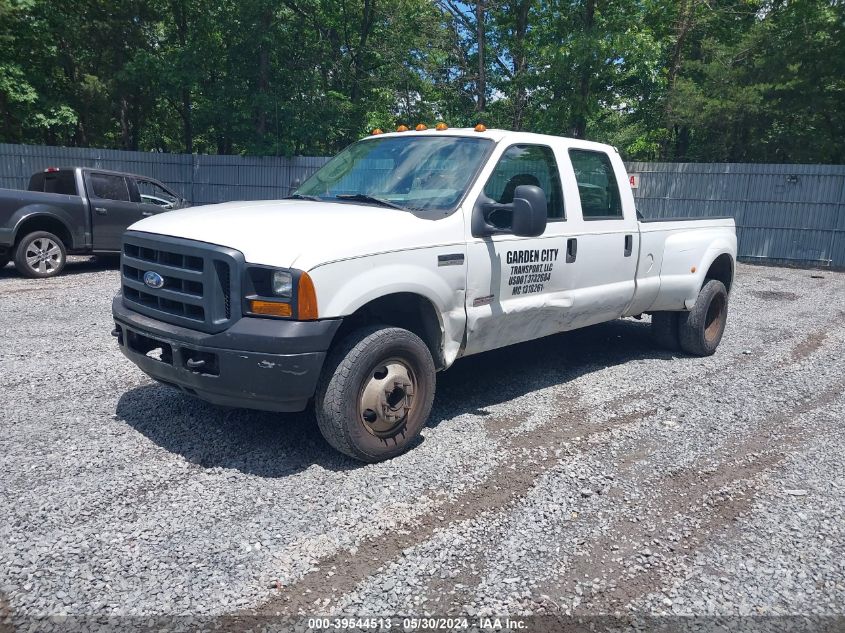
(441, 126)
(480, 128)
(402, 128)
(421, 127)
(377, 131)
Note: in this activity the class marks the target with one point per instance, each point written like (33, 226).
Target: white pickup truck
(402, 254)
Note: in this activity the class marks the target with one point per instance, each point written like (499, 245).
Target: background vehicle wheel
(664, 329)
(700, 330)
(40, 254)
(375, 393)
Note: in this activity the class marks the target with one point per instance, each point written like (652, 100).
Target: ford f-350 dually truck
(402, 254)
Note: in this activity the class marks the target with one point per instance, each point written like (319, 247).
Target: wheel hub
(387, 397)
(43, 255)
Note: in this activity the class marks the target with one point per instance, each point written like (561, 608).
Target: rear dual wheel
(375, 393)
(699, 331)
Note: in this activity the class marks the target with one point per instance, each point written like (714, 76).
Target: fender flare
(36, 211)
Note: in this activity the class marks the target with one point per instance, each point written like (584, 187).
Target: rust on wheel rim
(714, 322)
(387, 397)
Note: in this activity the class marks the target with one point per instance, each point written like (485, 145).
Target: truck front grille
(195, 289)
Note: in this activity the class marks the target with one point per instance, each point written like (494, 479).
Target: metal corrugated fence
(786, 214)
(202, 179)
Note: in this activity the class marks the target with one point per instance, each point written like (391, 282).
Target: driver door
(517, 286)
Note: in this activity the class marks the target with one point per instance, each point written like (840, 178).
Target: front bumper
(265, 364)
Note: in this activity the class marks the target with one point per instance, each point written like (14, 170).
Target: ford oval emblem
(153, 279)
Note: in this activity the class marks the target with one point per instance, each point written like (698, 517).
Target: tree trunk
(263, 74)
(481, 83)
(520, 63)
(578, 128)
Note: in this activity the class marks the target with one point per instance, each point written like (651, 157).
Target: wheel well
(721, 269)
(45, 223)
(407, 310)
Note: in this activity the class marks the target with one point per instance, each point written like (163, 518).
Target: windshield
(413, 172)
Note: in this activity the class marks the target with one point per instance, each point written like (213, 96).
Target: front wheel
(40, 254)
(700, 330)
(375, 393)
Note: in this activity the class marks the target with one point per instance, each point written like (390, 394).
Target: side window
(527, 165)
(151, 193)
(109, 187)
(597, 185)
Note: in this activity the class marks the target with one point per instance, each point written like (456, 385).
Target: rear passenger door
(605, 268)
(112, 209)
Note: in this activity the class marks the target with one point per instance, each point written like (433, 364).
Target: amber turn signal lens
(402, 128)
(480, 128)
(377, 131)
(420, 127)
(692, 270)
(270, 308)
(306, 299)
(441, 126)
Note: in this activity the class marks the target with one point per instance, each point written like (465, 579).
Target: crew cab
(74, 211)
(404, 253)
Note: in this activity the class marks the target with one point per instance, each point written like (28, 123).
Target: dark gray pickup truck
(74, 211)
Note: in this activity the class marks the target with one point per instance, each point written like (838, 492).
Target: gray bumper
(257, 363)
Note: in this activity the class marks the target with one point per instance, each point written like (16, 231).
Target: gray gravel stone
(121, 496)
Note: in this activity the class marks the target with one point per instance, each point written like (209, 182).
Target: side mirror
(529, 211)
(524, 217)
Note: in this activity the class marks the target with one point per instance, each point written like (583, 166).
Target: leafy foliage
(710, 80)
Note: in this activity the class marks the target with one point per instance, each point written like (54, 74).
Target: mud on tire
(375, 393)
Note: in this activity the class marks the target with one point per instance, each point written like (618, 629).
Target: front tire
(700, 330)
(375, 393)
(40, 255)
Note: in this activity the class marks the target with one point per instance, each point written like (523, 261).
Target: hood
(302, 233)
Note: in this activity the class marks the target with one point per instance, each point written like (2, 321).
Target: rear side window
(597, 185)
(62, 182)
(109, 187)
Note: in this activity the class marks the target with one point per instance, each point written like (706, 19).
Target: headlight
(282, 284)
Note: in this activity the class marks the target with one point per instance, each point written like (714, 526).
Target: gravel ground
(585, 474)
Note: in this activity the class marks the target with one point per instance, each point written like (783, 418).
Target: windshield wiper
(363, 197)
(299, 196)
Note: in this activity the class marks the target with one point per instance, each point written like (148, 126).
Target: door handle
(146, 213)
(629, 245)
(101, 210)
(571, 250)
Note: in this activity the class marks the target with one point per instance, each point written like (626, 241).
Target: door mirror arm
(482, 225)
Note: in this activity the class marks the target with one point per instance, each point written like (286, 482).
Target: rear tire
(664, 329)
(700, 330)
(375, 393)
(40, 255)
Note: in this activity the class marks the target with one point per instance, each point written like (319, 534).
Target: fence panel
(788, 214)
